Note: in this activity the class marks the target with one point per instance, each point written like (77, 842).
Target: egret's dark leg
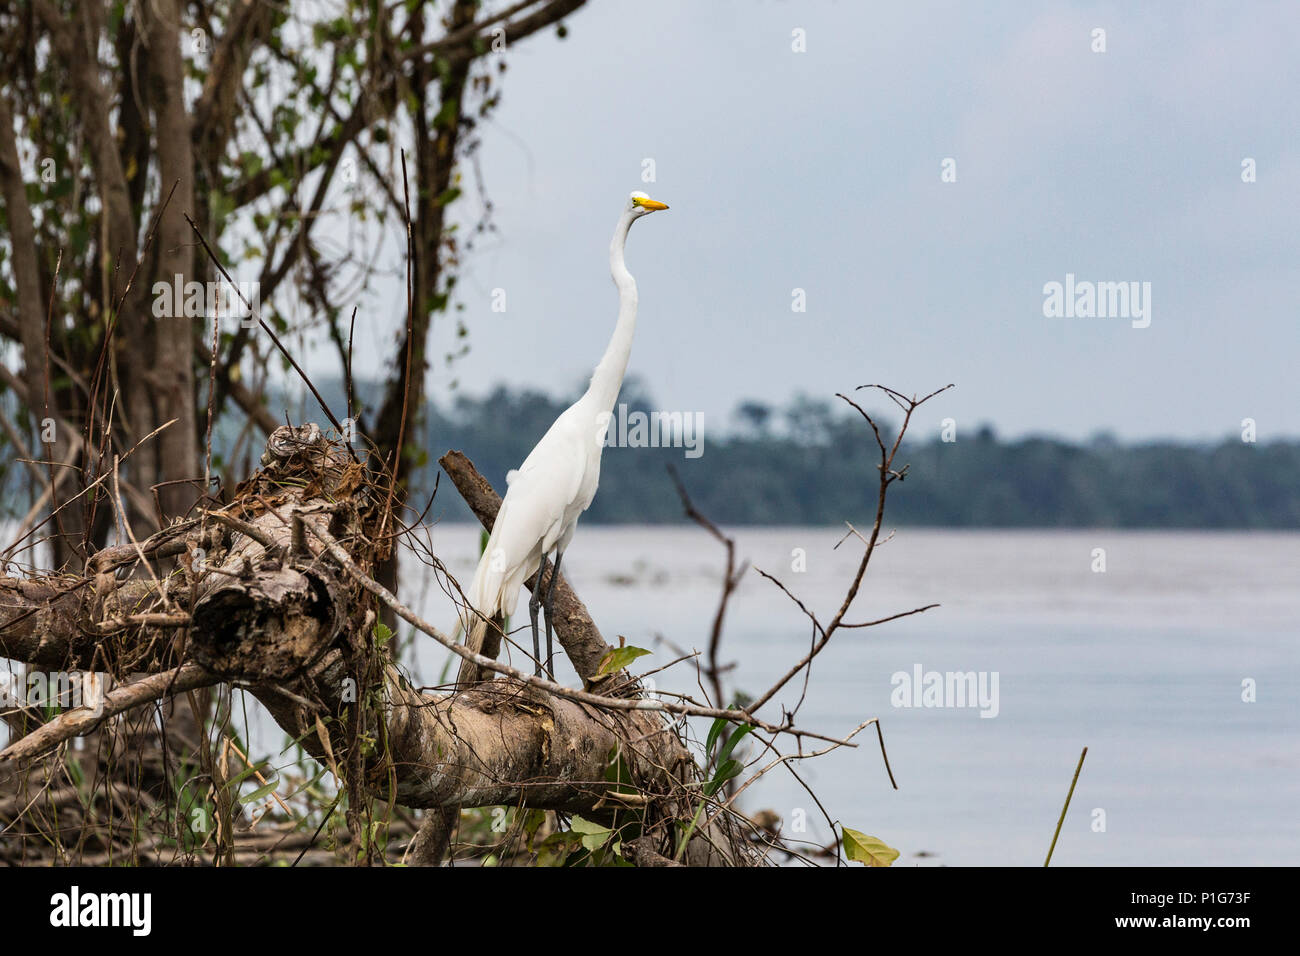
(550, 610)
(534, 603)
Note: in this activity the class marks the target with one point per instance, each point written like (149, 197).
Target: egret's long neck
(608, 377)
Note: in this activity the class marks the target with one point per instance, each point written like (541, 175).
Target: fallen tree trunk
(261, 600)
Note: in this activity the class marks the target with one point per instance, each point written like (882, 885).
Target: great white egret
(557, 481)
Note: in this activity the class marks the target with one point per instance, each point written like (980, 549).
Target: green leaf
(730, 745)
(726, 770)
(867, 850)
(446, 114)
(617, 772)
(260, 793)
(618, 658)
(383, 634)
(716, 729)
(594, 836)
(533, 821)
(243, 775)
(251, 162)
(555, 849)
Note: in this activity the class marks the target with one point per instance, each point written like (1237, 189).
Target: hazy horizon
(925, 427)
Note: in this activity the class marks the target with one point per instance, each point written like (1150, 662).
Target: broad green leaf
(867, 850)
(594, 836)
(555, 849)
(618, 658)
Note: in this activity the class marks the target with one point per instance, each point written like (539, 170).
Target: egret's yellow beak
(651, 204)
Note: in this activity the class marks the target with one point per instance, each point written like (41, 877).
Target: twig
(1068, 797)
(82, 720)
(410, 348)
(888, 475)
(275, 339)
(730, 581)
(892, 617)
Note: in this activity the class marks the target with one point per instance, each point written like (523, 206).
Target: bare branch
(82, 720)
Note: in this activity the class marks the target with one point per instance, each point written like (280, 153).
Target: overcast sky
(821, 170)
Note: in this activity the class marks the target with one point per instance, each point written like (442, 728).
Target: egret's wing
(531, 518)
(550, 480)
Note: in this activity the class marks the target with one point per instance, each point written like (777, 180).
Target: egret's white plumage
(558, 480)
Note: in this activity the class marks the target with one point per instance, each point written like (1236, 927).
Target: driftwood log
(258, 598)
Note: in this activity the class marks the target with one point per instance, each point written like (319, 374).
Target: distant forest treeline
(812, 462)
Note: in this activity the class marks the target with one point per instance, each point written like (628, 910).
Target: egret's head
(639, 204)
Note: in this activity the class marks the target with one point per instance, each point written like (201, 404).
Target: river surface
(1146, 663)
